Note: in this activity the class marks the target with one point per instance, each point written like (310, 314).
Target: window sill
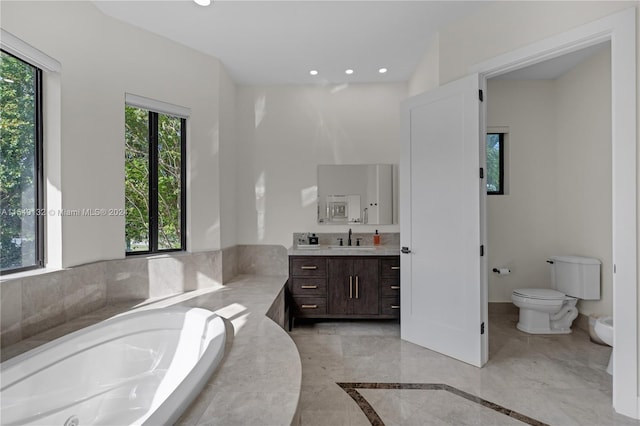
(175, 253)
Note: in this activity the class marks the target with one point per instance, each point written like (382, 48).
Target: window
(21, 171)
(495, 163)
(155, 196)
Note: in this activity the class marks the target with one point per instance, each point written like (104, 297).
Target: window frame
(39, 195)
(501, 165)
(153, 156)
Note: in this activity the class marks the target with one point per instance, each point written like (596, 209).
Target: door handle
(356, 287)
(405, 250)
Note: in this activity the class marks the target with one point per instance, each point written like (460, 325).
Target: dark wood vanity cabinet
(352, 286)
(344, 286)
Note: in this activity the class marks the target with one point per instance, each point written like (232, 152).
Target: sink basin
(352, 247)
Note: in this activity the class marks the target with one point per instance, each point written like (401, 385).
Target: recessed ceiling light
(203, 2)
(348, 71)
(382, 70)
(313, 72)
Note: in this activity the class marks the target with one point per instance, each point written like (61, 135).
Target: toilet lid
(539, 293)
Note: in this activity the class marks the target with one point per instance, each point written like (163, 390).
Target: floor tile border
(352, 390)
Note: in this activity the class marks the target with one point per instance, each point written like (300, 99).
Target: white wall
(101, 60)
(559, 178)
(584, 205)
(228, 169)
(426, 76)
(505, 26)
(285, 132)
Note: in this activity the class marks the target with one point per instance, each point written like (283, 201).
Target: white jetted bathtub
(140, 368)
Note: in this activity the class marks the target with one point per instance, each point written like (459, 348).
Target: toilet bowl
(552, 310)
(544, 311)
(604, 330)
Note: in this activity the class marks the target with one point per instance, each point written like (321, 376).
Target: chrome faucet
(349, 239)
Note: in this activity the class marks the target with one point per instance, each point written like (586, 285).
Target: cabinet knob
(395, 306)
(309, 267)
(395, 268)
(309, 306)
(395, 287)
(308, 286)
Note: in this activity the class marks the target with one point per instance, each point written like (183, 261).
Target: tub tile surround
(11, 312)
(229, 263)
(269, 260)
(258, 381)
(130, 278)
(32, 304)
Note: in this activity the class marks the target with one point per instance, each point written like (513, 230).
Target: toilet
(552, 311)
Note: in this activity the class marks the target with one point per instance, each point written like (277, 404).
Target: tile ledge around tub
(30, 273)
(258, 336)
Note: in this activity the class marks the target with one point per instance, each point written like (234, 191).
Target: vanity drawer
(390, 306)
(390, 267)
(308, 266)
(310, 306)
(309, 286)
(389, 287)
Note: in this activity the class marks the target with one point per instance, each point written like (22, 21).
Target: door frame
(620, 30)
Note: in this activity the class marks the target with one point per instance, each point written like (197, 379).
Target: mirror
(355, 194)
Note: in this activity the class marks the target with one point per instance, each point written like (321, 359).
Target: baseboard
(502, 308)
(582, 322)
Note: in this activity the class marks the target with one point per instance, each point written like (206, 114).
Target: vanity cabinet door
(365, 297)
(353, 286)
(339, 285)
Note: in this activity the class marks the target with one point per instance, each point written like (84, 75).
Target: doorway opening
(619, 30)
(555, 122)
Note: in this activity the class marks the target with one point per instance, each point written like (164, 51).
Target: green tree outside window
(154, 181)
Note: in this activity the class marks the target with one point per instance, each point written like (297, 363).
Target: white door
(443, 294)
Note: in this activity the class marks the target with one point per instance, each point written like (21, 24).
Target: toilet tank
(576, 276)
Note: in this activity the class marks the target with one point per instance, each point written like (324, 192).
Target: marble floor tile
(555, 380)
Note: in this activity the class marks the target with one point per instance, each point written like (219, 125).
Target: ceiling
(279, 42)
(556, 67)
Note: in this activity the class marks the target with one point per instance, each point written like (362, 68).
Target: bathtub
(143, 367)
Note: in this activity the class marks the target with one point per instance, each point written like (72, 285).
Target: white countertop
(324, 250)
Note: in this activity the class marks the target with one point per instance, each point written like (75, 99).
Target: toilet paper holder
(502, 271)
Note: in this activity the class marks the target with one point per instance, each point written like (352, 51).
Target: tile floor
(555, 380)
